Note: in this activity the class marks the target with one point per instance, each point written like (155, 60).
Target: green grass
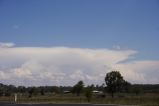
(143, 100)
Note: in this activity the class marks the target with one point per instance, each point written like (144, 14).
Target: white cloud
(141, 71)
(6, 45)
(66, 66)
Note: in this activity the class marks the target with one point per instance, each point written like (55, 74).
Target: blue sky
(81, 23)
(93, 24)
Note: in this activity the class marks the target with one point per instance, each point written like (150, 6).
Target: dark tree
(114, 82)
(55, 90)
(42, 92)
(127, 86)
(78, 88)
(32, 91)
(21, 89)
(137, 89)
(88, 93)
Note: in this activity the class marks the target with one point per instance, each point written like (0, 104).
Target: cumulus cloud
(141, 71)
(65, 66)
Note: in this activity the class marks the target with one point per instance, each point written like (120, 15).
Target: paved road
(53, 105)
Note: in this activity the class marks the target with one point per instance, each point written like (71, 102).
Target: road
(54, 105)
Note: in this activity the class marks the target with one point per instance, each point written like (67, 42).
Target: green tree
(127, 87)
(114, 82)
(137, 89)
(88, 93)
(31, 91)
(78, 88)
(42, 92)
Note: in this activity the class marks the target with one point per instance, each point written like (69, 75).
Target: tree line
(114, 82)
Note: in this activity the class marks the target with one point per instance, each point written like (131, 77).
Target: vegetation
(115, 82)
(88, 93)
(123, 93)
(78, 88)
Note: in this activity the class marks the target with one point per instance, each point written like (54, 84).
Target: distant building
(66, 91)
(97, 92)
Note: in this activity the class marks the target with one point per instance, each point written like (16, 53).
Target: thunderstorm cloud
(35, 66)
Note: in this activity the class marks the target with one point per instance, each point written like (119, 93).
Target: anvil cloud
(35, 66)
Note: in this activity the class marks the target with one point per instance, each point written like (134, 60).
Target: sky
(59, 42)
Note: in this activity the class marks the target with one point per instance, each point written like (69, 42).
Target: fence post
(15, 98)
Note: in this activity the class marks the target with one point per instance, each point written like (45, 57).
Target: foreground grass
(143, 100)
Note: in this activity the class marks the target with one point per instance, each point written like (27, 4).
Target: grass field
(143, 100)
